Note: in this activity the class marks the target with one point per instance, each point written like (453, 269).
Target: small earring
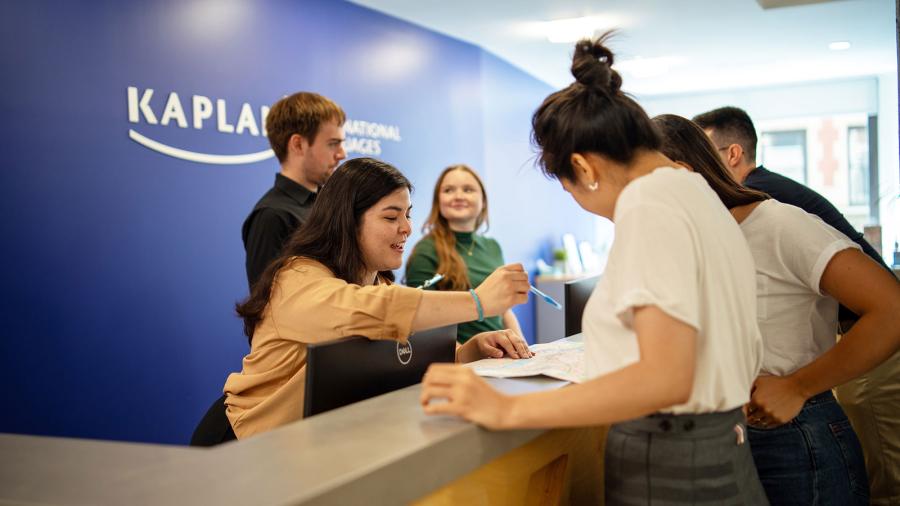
(593, 186)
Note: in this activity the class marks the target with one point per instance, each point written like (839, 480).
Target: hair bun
(592, 65)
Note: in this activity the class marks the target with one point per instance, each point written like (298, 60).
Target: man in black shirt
(734, 135)
(306, 133)
(871, 401)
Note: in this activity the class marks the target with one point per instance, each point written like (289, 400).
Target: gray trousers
(681, 459)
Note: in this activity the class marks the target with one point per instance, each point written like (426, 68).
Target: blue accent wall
(121, 265)
(528, 212)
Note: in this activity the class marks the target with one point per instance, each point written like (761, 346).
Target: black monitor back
(577, 293)
(353, 369)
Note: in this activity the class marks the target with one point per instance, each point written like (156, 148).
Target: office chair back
(214, 428)
(577, 293)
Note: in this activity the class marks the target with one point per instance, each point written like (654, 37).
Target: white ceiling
(691, 45)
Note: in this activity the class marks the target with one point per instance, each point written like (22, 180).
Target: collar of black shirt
(293, 189)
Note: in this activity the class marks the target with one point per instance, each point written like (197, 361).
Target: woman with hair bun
(671, 341)
(453, 247)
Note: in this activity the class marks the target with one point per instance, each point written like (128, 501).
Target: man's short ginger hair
(301, 114)
(731, 125)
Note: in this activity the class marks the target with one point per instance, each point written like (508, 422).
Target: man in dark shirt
(871, 401)
(734, 135)
(306, 133)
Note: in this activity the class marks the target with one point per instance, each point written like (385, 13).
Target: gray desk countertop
(384, 448)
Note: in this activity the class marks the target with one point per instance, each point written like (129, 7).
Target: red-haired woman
(453, 248)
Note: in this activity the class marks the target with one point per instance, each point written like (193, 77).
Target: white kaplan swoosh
(199, 157)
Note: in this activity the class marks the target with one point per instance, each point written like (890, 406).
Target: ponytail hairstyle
(591, 115)
(450, 263)
(331, 232)
(684, 141)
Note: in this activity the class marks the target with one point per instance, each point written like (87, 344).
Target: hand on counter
(494, 344)
(466, 394)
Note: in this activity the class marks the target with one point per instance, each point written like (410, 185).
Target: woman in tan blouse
(334, 280)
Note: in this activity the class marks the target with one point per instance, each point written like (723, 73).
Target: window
(858, 165)
(785, 150)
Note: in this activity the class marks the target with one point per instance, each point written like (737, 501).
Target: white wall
(888, 162)
(806, 99)
(870, 95)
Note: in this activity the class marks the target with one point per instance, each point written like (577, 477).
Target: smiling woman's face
(383, 233)
(461, 200)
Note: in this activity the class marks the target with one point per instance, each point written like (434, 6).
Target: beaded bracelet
(477, 304)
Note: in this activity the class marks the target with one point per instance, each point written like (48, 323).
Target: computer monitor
(353, 369)
(577, 293)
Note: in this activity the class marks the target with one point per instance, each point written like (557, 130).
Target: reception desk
(380, 451)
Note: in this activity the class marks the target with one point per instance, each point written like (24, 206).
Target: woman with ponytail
(671, 341)
(805, 450)
(453, 247)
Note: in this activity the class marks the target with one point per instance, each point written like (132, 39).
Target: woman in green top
(453, 248)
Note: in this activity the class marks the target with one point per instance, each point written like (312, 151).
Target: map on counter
(562, 359)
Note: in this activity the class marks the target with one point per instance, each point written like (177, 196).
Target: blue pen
(548, 299)
(435, 279)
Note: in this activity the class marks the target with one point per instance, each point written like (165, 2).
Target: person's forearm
(874, 338)
(511, 322)
(444, 308)
(634, 391)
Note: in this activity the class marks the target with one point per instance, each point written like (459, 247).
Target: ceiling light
(840, 45)
(574, 29)
(648, 67)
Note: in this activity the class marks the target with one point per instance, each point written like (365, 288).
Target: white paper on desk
(562, 359)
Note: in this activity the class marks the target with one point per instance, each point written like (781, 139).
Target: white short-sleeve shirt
(679, 249)
(791, 249)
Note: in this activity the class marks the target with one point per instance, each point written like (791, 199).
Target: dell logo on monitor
(404, 352)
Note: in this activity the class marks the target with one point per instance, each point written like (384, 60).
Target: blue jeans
(815, 459)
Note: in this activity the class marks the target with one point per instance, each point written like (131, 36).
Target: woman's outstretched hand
(504, 288)
(464, 394)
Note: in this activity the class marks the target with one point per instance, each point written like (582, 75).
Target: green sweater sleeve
(422, 263)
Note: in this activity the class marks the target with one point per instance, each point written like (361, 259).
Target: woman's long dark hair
(331, 232)
(684, 141)
(591, 115)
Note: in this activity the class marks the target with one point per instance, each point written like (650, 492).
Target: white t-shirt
(679, 249)
(792, 248)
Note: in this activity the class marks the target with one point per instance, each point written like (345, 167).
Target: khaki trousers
(872, 403)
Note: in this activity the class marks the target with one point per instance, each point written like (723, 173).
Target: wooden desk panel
(562, 466)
